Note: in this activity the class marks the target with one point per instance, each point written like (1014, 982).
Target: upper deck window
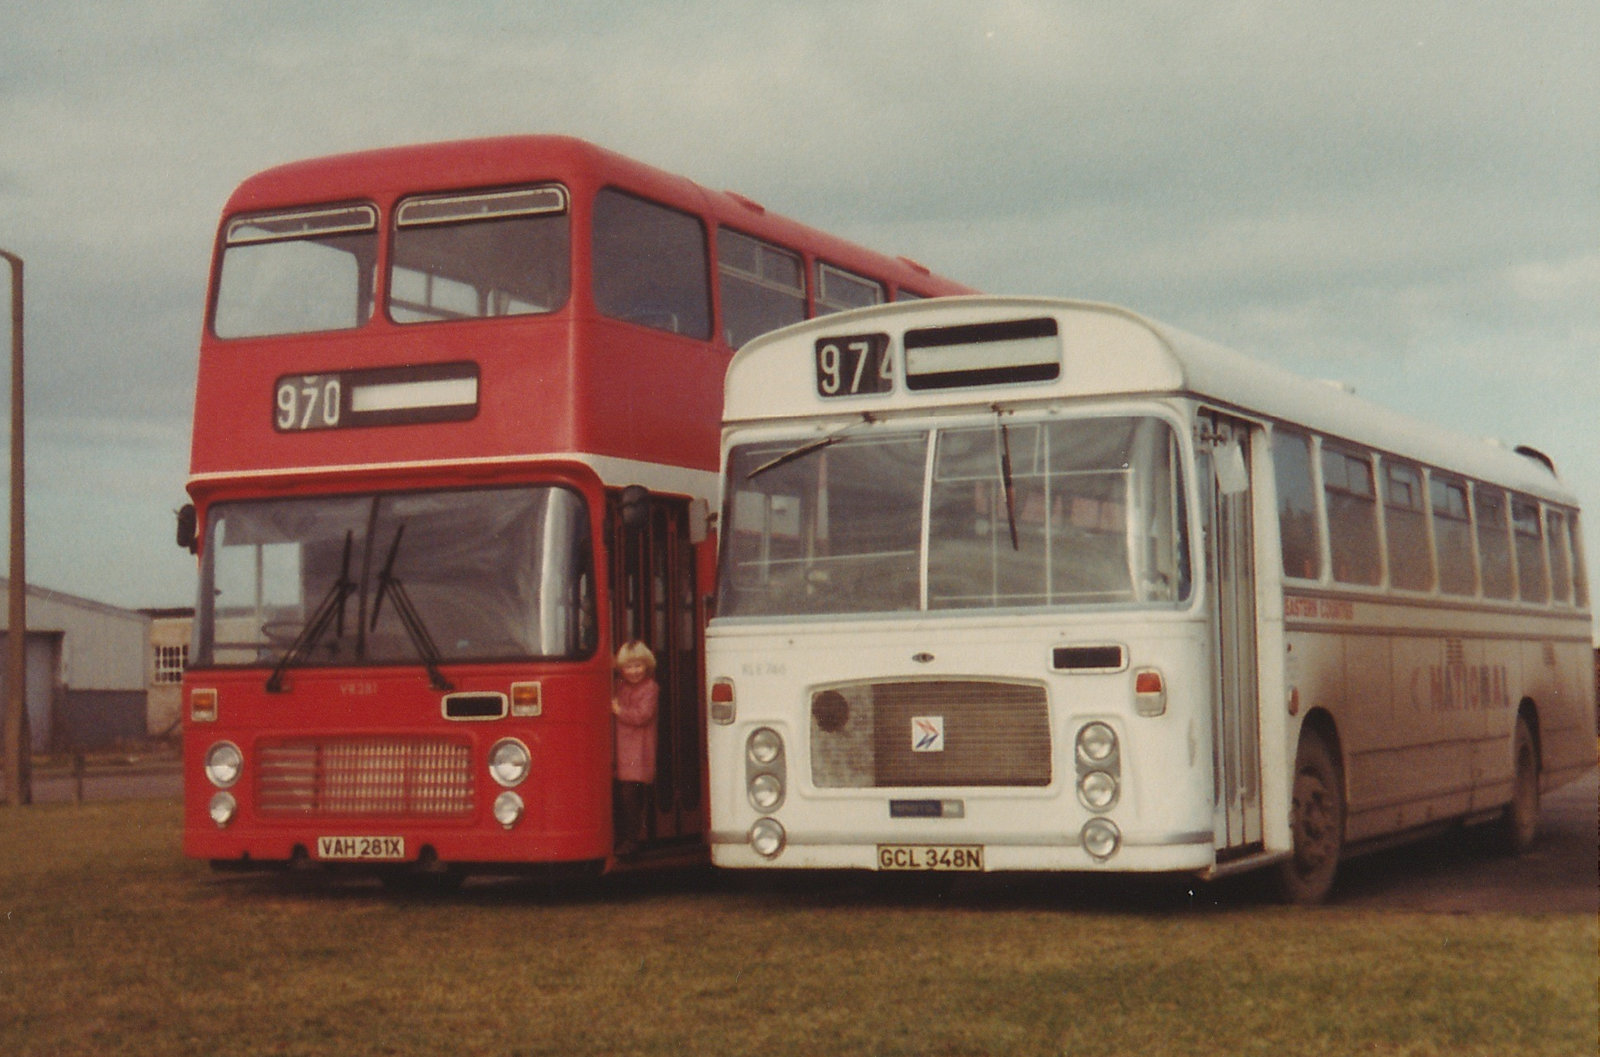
(469, 256)
(838, 290)
(763, 286)
(651, 265)
(296, 271)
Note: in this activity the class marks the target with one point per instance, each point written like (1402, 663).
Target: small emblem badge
(927, 733)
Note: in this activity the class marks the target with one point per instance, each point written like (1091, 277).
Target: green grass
(111, 943)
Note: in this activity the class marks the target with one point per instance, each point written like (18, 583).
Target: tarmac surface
(1457, 872)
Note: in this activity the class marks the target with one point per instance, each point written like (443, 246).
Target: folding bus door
(1230, 580)
(653, 599)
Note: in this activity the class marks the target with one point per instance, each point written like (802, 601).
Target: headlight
(223, 808)
(766, 792)
(1097, 790)
(764, 746)
(1101, 838)
(507, 809)
(767, 837)
(509, 762)
(224, 761)
(1097, 742)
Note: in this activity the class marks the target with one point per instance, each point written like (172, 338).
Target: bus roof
(1103, 350)
(387, 174)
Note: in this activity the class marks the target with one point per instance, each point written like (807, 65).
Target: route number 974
(854, 365)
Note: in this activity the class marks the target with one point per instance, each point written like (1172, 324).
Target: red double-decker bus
(455, 439)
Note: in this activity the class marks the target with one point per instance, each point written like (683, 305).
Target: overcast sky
(1401, 194)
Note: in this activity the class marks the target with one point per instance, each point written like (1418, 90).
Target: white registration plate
(961, 857)
(361, 848)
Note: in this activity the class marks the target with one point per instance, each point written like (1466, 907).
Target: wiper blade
(1005, 478)
(807, 448)
(328, 611)
(389, 585)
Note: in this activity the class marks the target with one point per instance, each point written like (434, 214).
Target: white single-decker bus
(1027, 584)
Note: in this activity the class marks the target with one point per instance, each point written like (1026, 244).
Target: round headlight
(766, 792)
(507, 809)
(509, 762)
(764, 746)
(1097, 790)
(1101, 838)
(224, 761)
(1097, 742)
(223, 808)
(767, 837)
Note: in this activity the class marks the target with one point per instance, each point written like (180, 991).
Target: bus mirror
(188, 529)
(635, 507)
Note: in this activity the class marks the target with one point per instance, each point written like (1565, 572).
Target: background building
(169, 656)
(89, 667)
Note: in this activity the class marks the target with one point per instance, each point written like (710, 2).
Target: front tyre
(1317, 823)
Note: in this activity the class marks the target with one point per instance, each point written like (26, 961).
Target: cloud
(1403, 193)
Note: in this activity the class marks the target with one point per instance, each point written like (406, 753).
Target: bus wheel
(1317, 823)
(1519, 824)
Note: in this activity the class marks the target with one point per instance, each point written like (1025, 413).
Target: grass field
(111, 943)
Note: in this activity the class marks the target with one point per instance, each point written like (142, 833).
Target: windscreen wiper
(807, 448)
(1005, 477)
(390, 585)
(329, 611)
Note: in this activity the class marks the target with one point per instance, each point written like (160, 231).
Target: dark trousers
(632, 802)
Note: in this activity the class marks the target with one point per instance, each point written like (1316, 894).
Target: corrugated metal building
(87, 670)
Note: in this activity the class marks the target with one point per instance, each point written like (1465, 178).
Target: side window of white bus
(1297, 505)
(1452, 535)
(1406, 526)
(1560, 539)
(1494, 540)
(1352, 515)
(1533, 584)
(1580, 583)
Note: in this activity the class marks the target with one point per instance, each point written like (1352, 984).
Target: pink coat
(636, 730)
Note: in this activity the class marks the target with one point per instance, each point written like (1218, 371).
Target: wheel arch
(1320, 722)
(1528, 710)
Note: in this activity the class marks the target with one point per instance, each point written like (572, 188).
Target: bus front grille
(427, 778)
(930, 733)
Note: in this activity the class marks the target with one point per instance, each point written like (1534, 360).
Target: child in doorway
(635, 705)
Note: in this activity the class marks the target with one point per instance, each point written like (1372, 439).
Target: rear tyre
(1316, 821)
(1518, 826)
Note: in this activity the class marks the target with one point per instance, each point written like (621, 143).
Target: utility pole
(19, 759)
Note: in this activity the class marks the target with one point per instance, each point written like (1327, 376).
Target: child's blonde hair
(636, 651)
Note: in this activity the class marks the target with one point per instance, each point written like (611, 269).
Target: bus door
(652, 578)
(1230, 580)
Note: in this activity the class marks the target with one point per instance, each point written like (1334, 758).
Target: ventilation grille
(359, 777)
(930, 733)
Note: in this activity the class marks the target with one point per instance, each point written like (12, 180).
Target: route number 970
(312, 401)
(854, 365)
